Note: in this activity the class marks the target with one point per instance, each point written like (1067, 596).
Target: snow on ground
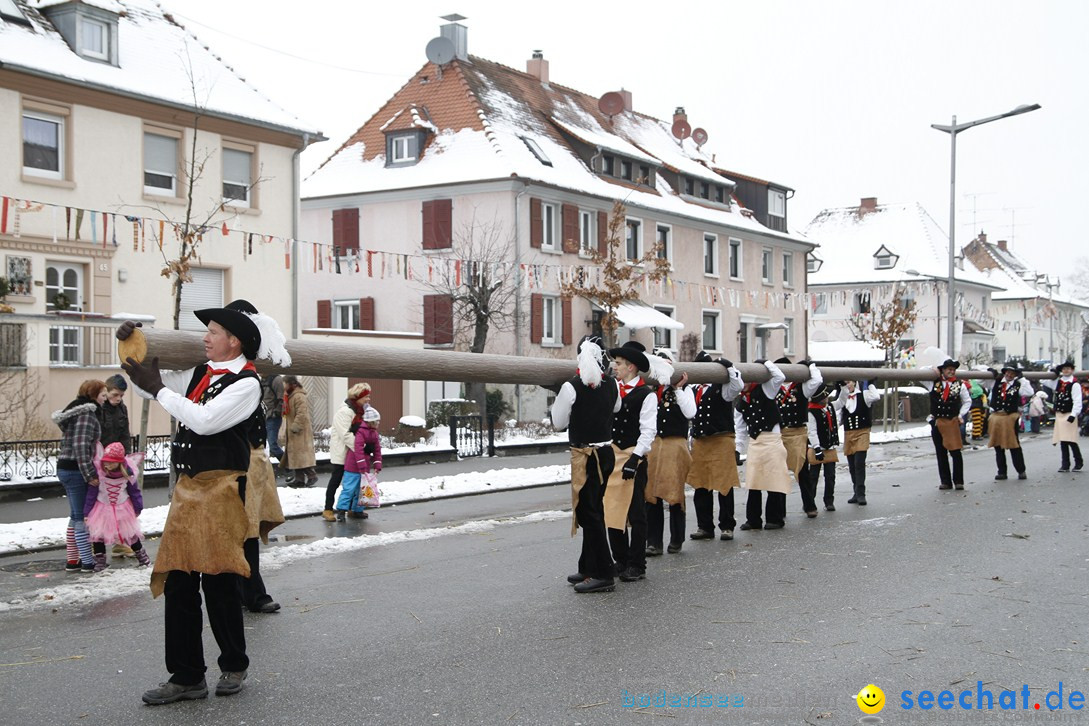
(87, 589)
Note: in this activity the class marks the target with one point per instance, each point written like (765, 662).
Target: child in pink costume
(366, 457)
(112, 507)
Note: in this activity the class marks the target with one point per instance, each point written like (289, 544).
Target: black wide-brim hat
(633, 352)
(949, 363)
(782, 361)
(1015, 369)
(237, 324)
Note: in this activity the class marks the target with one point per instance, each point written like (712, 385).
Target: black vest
(592, 412)
(792, 406)
(671, 422)
(626, 422)
(827, 435)
(258, 434)
(1064, 397)
(1011, 402)
(950, 407)
(861, 418)
(760, 412)
(192, 453)
(713, 415)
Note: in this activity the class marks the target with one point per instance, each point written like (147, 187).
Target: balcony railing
(67, 339)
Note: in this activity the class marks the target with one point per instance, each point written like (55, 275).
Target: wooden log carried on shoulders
(180, 349)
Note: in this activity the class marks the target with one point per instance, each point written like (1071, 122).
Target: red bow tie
(202, 385)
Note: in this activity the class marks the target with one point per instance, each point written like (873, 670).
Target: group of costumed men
(637, 438)
(225, 497)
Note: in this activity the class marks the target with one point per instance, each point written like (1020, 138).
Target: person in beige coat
(298, 435)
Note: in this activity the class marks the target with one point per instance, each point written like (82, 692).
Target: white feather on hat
(661, 370)
(589, 360)
(273, 340)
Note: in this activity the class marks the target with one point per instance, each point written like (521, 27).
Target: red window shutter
(437, 224)
(325, 313)
(346, 229)
(567, 321)
(429, 319)
(536, 223)
(366, 313)
(602, 233)
(438, 319)
(536, 317)
(570, 228)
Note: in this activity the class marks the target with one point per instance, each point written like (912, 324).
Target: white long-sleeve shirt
(686, 401)
(234, 405)
(565, 399)
(1075, 393)
(965, 396)
(849, 401)
(816, 378)
(811, 429)
(770, 389)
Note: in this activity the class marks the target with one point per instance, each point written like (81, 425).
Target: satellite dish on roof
(611, 104)
(682, 130)
(440, 51)
(699, 136)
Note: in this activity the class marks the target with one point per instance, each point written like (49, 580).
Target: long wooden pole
(179, 349)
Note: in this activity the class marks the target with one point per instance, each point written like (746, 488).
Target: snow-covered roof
(155, 56)
(637, 316)
(482, 136)
(849, 237)
(1010, 272)
(842, 351)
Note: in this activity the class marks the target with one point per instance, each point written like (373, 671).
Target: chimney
(1002, 244)
(867, 205)
(626, 95)
(537, 66)
(983, 237)
(457, 33)
(679, 114)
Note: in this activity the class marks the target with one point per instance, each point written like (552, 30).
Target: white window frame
(551, 325)
(788, 269)
(884, 262)
(767, 265)
(638, 239)
(717, 315)
(61, 122)
(736, 244)
(349, 309)
(664, 337)
(668, 229)
(710, 237)
(587, 232)
(51, 291)
(400, 147)
(550, 217)
(176, 137)
(89, 27)
(788, 335)
(776, 203)
(250, 201)
(63, 350)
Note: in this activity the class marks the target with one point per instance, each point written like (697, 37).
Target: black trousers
(1067, 447)
(334, 483)
(1017, 455)
(943, 457)
(656, 523)
(704, 502)
(630, 545)
(856, 465)
(253, 587)
(807, 487)
(814, 475)
(185, 624)
(776, 509)
(595, 560)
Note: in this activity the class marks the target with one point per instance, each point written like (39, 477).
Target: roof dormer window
(94, 39)
(884, 259)
(403, 147)
(90, 31)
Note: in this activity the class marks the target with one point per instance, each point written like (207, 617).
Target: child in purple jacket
(111, 508)
(366, 457)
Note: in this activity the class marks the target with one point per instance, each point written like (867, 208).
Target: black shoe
(745, 526)
(829, 507)
(1077, 467)
(230, 683)
(1000, 477)
(631, 575)
(853, 500)
(1064, 469)
(812, 514)
(945, 486)
(265, 605)
(959, 486)
(861, 501)
(169, 692)
(654, 551)
(592, 585)
(727, 535)
(73, 566)
(773, 525)
(577, 578)
(674, 547)
(1022, 475)
(702, 534)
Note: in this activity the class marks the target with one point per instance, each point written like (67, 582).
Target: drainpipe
(295, 206)
(517, 301)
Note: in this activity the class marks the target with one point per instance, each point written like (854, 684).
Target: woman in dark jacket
(115, 415)
(80, 432)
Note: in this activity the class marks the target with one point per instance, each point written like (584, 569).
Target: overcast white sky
(834, 99)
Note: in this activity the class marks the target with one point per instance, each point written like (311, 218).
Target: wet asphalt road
(921, 590)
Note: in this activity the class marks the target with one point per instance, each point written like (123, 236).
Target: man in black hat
(949, 406)
(206, 525)
(585, 406)
(793, 402)
(756, 420)
(1068, 405)
(634, 428)
(823, 437)
(1006, 397)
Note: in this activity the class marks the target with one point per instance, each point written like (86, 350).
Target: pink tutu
(113, 523)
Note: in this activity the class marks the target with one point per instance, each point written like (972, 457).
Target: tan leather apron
(766, 466)
(714, 465)
(667, 469)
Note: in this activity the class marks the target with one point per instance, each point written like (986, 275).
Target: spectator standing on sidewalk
(114, 416)
(272, 402)
(298, 434)
(1037, 411)
(346, 422)
(80, 432)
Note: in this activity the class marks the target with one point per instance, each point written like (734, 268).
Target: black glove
(737, 457)
(805, 362)
(633, 463)
(724, 363)
(1070, 419)
(818, 453)
(760, 361)
(124, 330)
(994, 373)
(144, 375)
(368, 448)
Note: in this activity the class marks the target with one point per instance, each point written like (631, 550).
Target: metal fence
(32, 460)
(467, 435)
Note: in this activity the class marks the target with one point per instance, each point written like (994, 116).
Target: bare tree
(620, 276)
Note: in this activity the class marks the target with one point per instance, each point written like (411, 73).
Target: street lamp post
(953, 129)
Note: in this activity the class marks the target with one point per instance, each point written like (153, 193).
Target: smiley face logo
(871, 699)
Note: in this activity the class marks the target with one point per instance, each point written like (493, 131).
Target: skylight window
(536, 150)
(11, 11)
